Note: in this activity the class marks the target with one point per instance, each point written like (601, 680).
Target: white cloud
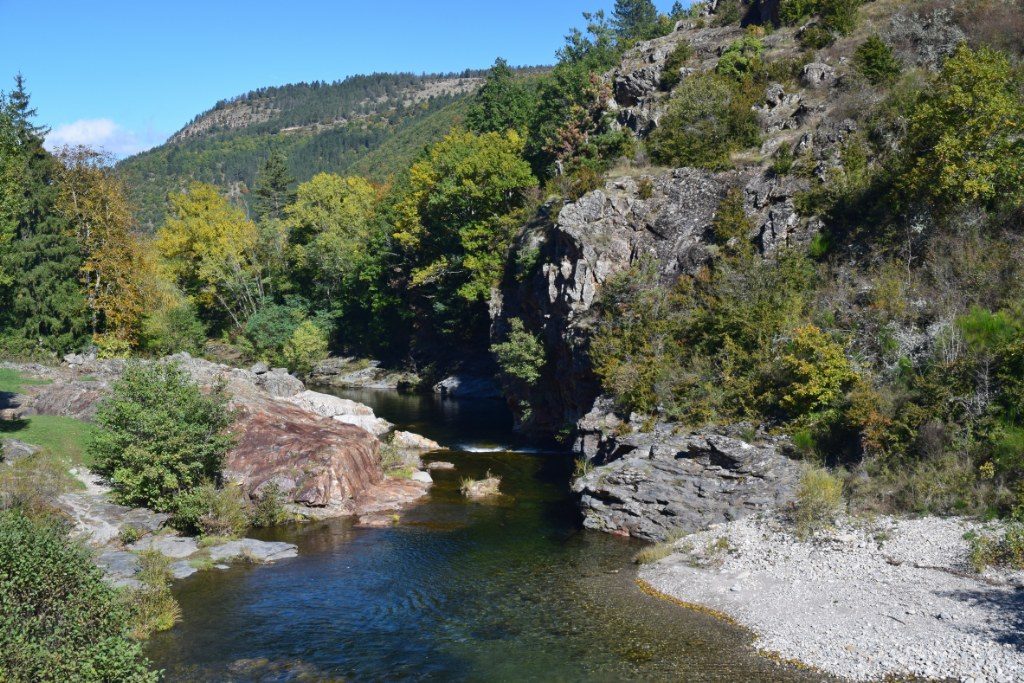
(103, 134)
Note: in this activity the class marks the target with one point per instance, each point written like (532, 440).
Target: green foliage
(521, 355)
(1003, 550)
(635, 19)
(41, 303)
(709, 117)
(731, 225)
(269, 329)
(964, 144)
(159, 436)
(60, 621)
(835, 16)
(740, 57)
(306, 347)
(269, 508)
(672, 73)
(813, 373)
(455, 220)
(273, 188)
(819, 500)
(172, 330)
(504, 102)
(152, 606)
(212, 512)
(875, 61)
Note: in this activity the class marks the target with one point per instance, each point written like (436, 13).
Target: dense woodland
(922, 230)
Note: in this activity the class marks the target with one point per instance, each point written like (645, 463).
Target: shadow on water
(505, 590)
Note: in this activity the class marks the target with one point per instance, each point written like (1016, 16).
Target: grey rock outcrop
(659, 484)
(12, 450)
(818, 75)
(357, 373)
(468, 386)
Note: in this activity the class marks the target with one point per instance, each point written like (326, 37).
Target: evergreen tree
(677, 12)
(634, 19)
(42, 304)
(503, 103)
(273, 188)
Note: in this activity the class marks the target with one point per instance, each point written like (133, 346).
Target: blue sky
(125, 75)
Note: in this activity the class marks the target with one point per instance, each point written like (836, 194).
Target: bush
(521, 355)
(740, 57)
(158, 436)
(269, 508)
(876, 62)
(819, 500)
(153, 607)
(1006, 550)
(813, 373)
(270, 329)
(306, 347)
(709, 117)
(60, 621)
(210, 511)
(672, 73)
(173, 330)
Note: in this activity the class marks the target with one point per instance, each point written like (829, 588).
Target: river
(506, 590)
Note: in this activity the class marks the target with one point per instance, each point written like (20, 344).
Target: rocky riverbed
(865, 601)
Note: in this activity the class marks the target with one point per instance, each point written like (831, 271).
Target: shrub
(153, 607)
(307, 347)
(60, 621)
(271, 328)
(1006, 550)
(210, 511)
(173, 330)
(819, 500)
(815, 38)
(876, 62)
(111, 346)
(731, 225)
(709, 116)
(963, 143)
(128, 535)
(269, 508)
(521, 355)
(740, 56)
(839, 16)
(158, 436)
(813, 371)
(672, 73)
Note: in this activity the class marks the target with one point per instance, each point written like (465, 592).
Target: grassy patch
(60, 437)
(12, 381)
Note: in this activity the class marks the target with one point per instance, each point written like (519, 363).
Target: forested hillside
(317, 126)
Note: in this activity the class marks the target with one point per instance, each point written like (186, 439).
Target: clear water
(511, 590)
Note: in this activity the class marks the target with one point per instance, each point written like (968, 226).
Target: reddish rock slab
(314, 461)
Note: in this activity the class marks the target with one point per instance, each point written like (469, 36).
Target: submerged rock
(481, 488)
(253, 550)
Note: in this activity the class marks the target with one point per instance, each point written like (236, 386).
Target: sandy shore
(870, 599)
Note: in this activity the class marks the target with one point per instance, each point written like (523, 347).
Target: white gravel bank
(890, 597)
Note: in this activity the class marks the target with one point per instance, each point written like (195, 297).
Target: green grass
(61, 437)
(12, 381)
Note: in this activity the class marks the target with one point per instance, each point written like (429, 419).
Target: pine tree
(677, 12)
(43, 305)
(634, 19)
(273, 188)
(503, 103)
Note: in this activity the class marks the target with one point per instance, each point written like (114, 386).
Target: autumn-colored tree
(117, 276)
(457, 219)
(329, 231)
(210, 249)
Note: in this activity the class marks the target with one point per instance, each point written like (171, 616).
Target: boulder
(422, 477)
(13, 450)
(468, 386)
(175, 547)
(818, 75)
(327, 405)
(414, 442)
(440, 465)
(354, 372)
(660, 484)
(253, 550)
(279, 383)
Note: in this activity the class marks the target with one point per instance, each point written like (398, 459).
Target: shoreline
(867, 601)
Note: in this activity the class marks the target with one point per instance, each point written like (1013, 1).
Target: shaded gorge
(505, 590)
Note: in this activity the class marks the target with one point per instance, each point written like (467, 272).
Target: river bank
(866, 600)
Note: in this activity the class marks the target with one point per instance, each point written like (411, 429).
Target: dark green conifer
(274, 188)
